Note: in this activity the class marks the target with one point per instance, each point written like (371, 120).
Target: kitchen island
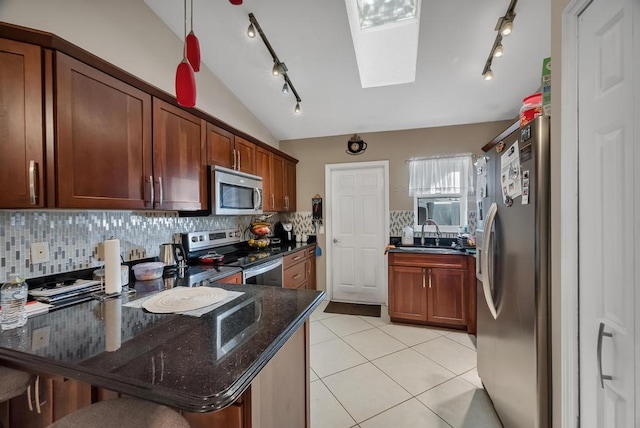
(231, 356)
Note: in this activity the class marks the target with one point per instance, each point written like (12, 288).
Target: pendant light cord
(184, 50)
(192, 16)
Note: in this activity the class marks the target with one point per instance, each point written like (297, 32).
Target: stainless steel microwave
(235, 193)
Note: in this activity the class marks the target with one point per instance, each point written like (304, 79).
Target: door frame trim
(328, 171)
(569, 246)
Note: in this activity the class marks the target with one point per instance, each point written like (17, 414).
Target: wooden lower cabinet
(48, 400)
(299, 269)
(407, 293)
(432, 289)
(447, 296)
(236, 278)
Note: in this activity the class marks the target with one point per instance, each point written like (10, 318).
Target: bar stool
(12, 383)
(123, 413)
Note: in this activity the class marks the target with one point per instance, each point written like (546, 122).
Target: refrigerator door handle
(486, 275)
(601, 334)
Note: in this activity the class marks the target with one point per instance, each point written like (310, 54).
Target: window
(440, 188)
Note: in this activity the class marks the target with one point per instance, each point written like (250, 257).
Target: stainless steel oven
(267, 273)
(235, 193)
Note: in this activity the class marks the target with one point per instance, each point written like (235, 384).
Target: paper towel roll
(112, 324)
(112, 283)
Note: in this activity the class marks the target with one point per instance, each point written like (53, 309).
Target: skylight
(385, 40)
(380, 12)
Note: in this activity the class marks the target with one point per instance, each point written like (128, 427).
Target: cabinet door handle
(153, 192)
(601, 334)
(32, 182)
(29, 402)
(296, 276)
(297, 258)
(37, 397)
(286, 203)
(161, 190)
(234, 159)
(273, 202)
(424, 278)
(429, 278)
(239, 167)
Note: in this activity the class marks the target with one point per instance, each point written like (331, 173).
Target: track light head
(285, 88)
(251, 31)
(488, 75)
(297, 109)
(276, 69)
(507, 28)
(499, 51)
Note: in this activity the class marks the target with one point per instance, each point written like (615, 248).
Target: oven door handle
(262, 268)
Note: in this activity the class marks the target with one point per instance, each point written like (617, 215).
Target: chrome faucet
(438, 233)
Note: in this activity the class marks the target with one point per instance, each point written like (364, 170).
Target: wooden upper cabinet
(279, 183)
(246, 156)
(179, 153)
(229, 150)
(103, 135)
(264, 169)
(21, 126)
(290, 186)
(220, 147)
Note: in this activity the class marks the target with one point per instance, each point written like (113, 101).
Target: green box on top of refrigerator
(546, 86)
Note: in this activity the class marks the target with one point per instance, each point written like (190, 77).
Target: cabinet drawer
(293, 258)
(311, 251)
(446, 261)
(296, 275)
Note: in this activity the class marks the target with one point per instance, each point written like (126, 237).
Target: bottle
(13, 297)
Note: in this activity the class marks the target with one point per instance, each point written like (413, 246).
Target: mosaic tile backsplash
(73, 236)
(403, 218)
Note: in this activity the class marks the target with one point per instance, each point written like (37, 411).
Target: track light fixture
(279, 67)
(499, 51)
(504, 27)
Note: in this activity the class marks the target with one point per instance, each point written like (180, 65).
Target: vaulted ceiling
(314, 40)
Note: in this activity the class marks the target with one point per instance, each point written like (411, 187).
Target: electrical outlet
(39, 252)
(40, 338)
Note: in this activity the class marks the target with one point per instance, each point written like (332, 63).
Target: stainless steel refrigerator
(513, 276)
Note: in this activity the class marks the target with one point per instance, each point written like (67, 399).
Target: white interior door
(608, 222)
(358, 232)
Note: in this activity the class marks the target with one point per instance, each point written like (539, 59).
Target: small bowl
(148, 271)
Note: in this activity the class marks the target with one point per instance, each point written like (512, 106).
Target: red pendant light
(236, 2)
(185, 79)
(193, 46)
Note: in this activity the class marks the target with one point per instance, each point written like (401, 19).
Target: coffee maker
(284, 231)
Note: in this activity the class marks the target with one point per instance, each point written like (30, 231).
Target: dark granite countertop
(271, 253)
(195, 364)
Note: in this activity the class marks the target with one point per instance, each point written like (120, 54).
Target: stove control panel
(197, 241)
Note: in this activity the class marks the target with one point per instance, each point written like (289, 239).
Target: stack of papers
(59, 294)
(36, 308)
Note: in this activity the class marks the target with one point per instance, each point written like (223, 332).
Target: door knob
(335, 241)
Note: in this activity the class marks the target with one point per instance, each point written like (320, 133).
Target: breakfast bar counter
(192, 363)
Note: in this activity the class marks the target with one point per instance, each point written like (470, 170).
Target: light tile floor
(367, 372)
